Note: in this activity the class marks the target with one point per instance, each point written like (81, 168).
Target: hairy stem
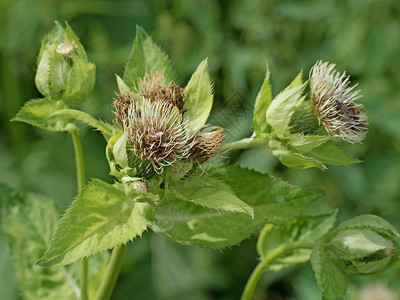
(244, 144)
(111, 276)
(262, 265)
(80, 177)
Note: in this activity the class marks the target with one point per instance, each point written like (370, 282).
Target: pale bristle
(156, 132)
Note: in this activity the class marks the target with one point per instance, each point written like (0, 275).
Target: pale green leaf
(368, 267)
(261, 105)
(55, 36)
(28, 222)
(358, 243)
(146, 57)
(80, 81)
(42, 76)
(71, 38)
(283, 105)
(331, 154)
(106, 129)
(330, 279)
(198, 98)
(209, 192)
(304, 143)
(272, 200)
(59, 72)
(373, 222)
(40, 112)
(304, 229)
(293, 159)
(100, 218)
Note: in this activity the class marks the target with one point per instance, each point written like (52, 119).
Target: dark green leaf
(330, 279)
(28, 222)
(271, 199)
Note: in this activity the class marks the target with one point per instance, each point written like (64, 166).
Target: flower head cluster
(156, 129)
(334, 102)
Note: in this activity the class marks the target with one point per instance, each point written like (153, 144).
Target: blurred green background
(360, 36)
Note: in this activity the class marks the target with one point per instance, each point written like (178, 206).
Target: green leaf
(156, 59)
(42, 76)
(28, 222)
(276, 201)
(100, 218)
(281, 108)
(305, 143)
(270, 198)
(358, 243)
(304, 229)
(198, 98)
(209, 192)
(59, 72)
(369, 222)
(368, 267)
(146, 57)
(40, 112)
(329, 153)
(293, 159)
(261, 105)
(80, 81)
(330, 279)
(106, 129)
(71, 38)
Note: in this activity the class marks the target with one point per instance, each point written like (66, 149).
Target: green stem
(80, 177)
(262, 265)
(111, 276)
(244, 144)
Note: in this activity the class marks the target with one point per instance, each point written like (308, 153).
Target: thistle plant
(160, 150)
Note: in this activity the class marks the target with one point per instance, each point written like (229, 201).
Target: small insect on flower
(334, 103)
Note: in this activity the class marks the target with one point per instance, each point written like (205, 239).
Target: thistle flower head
(154, 129)
(334, 103)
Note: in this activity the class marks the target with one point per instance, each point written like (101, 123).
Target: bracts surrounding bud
(64, 72)
(207, 145)
(365, 244)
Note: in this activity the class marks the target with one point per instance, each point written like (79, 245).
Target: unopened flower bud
(363, 251)
(63, 71)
